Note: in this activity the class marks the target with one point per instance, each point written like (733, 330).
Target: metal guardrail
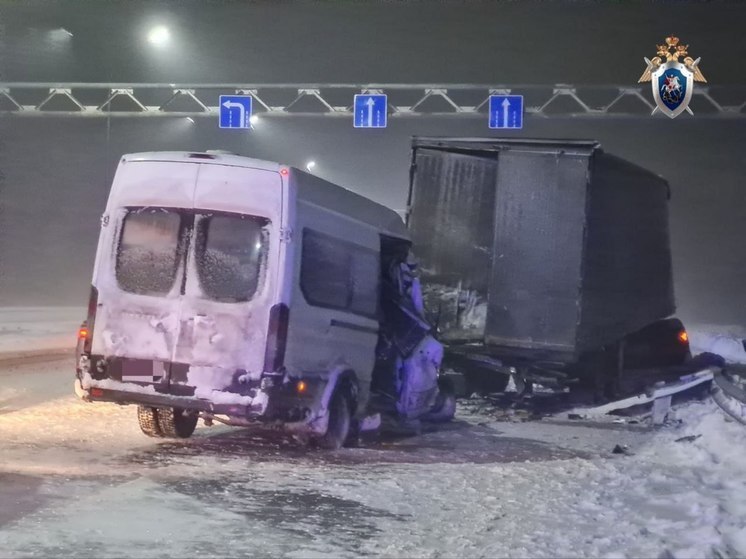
(729, 392)
(27, 99)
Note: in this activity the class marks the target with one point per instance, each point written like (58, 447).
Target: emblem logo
(672, 81)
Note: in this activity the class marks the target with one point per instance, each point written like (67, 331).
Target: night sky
(57, 170)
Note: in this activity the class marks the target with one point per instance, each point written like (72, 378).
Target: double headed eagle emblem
(672, 79)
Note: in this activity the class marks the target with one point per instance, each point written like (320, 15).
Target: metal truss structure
(404, 100)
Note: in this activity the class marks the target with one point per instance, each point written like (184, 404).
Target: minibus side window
(324, 271)
(148, 251)
(338, 274)
(231, 256)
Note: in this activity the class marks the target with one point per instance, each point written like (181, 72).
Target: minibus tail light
(277, 333)
(90, 321)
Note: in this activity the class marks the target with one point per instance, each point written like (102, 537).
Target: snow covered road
(80, 480)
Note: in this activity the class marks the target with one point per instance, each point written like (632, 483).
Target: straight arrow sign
(506, 111)
(370, 104)
(369, 110)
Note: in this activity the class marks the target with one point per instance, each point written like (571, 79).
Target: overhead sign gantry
(24, 99)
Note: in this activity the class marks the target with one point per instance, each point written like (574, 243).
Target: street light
(159, 35)
(60, 33)
(310, 165)
(253, 119)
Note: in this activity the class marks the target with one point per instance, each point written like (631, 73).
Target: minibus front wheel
(444, 408)
(340, 421)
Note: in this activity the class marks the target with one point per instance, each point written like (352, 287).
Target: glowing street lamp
(60, 33)
(159, 35)
(59, 36)
(310, 165)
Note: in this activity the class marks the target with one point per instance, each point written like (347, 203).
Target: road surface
(80, 480)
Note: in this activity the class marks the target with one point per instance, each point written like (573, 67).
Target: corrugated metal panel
(539, 221)
(452, 214)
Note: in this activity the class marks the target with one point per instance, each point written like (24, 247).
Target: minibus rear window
(148, 252)
(231, 255)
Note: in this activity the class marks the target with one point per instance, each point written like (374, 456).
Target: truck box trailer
(538, 249)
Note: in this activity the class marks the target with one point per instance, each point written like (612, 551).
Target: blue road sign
(370, 111)
(235, 111)
(506, 111)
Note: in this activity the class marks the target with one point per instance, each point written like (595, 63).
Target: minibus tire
(340, 422)
(147, 417)
(176, 423)
(444, 408)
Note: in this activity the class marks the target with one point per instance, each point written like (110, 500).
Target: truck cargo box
(532, 245)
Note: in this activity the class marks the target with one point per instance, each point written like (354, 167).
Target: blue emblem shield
(672, 88)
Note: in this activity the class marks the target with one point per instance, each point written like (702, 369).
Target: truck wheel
(340, 421)
(484, 380)
(176, 422)
(444, 408)
(148, 419)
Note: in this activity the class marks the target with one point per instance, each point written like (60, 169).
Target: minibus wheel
(444, 408)
(340, 421)
(176, 422)
(147, 417)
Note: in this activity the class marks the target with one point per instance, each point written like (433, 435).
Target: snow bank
(7, 394)
(704, 465)
(39, 329)
(726, 341)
